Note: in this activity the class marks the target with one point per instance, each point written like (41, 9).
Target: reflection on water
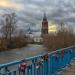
(17, 54)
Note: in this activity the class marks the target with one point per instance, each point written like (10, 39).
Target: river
(21, 53)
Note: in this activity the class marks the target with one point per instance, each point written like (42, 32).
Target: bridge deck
(70, 70)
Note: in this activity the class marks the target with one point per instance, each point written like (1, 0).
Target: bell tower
(44, 30)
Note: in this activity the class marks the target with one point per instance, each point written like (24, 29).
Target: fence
(52, 63)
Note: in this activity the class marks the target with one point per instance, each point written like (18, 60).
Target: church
(44, 30)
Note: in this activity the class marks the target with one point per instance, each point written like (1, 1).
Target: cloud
(32, 10)
(11, 5)
(38, 0)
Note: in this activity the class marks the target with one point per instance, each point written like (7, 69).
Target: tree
(9, 26)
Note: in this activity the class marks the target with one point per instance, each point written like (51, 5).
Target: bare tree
(9, 26)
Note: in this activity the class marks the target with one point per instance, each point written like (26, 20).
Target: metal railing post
(34, 66)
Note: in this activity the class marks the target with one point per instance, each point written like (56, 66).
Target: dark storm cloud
(57, 10)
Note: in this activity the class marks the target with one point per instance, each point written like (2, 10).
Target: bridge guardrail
(46, 64)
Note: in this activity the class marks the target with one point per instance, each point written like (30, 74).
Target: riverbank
(15, 42)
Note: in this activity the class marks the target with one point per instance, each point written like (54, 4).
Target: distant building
(44, 30)
(37, 39)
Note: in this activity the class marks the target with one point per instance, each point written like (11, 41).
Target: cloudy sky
(31, 11)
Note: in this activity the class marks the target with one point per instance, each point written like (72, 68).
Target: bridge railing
(46, 64)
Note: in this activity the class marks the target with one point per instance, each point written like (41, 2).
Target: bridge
(58, 62)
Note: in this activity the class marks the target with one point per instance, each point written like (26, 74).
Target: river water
(21, 53)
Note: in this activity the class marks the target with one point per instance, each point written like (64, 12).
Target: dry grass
(62, 39)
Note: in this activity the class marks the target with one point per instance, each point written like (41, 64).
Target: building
(44, 30)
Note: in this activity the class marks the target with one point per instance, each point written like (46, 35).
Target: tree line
(8, 37)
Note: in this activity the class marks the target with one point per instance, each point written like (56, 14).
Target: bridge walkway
(70, 70)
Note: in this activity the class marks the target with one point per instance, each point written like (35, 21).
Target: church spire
(45, 18)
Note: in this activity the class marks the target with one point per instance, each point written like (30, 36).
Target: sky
(31, 11)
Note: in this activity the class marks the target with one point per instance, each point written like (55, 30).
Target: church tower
(44, 30)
